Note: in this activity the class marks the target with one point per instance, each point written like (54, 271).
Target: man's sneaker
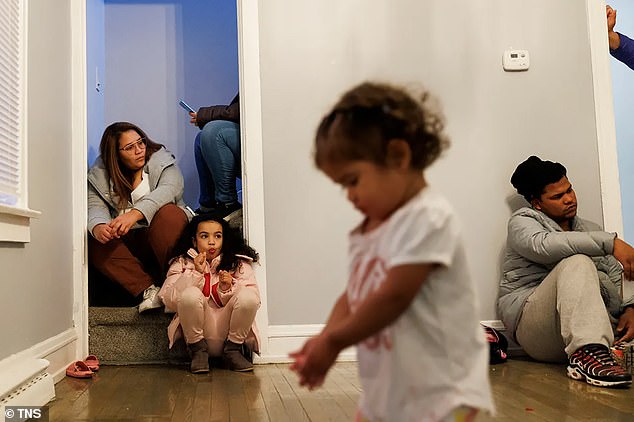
(595, 363)
(151, 299)
(226, 209)
(220, 210)
(204, 210)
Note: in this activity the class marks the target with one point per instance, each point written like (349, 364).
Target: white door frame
(251, 129)
(604, 117)
(606, 127)
(79, 171)
(252, 165)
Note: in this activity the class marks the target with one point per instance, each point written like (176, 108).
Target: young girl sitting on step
(212, 289)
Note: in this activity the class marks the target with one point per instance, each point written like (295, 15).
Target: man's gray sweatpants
(565, 312)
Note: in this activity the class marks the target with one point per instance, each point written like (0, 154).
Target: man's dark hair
(531, 177)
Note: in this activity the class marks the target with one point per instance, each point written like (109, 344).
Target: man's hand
(103, 233)
(193, 120)
(611, 16)
(613, 37)
(625, 328)
(123, 223)
(624, 253)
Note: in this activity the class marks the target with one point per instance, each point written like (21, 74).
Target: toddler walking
(213, 291)
(410, 305)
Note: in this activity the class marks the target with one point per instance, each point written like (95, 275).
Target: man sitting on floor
(560, 294)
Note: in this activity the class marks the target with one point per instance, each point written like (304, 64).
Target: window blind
(11, 98)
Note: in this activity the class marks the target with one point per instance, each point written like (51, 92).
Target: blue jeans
(217, 155)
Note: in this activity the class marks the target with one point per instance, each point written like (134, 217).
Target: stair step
(122, 336)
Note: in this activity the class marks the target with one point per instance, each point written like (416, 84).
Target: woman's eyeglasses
(132, 145)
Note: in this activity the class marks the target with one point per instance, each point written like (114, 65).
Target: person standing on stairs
(136, 213)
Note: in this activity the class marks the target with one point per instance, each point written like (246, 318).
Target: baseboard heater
(25, 382)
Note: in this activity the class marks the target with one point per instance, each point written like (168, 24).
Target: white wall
(36, 285)
(312, 51)
(157, 52)
(623, 91)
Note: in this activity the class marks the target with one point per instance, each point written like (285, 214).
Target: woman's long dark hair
(233, 243)
(120, 176)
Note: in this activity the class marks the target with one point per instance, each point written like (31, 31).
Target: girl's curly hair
(233, 243)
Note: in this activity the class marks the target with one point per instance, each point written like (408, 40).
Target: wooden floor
(523, 390)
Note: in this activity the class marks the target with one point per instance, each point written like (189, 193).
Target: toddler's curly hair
(370, 115)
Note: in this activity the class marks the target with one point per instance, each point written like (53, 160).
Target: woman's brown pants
(140, 258)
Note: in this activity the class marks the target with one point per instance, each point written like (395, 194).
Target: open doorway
(623, 94)
(143, 56)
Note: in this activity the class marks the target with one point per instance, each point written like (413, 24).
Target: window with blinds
(12, 131)
(15, 214)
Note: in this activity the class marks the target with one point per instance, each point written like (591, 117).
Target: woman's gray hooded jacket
(166, 187)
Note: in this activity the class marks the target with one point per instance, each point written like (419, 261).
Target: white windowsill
(15, 223)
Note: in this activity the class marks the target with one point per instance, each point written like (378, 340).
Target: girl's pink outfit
(221, 316)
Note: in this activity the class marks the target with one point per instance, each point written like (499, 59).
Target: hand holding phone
(186, 106)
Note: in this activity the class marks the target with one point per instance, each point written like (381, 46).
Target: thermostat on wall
(515, 60)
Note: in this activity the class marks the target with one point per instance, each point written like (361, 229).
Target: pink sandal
(78, 369)
(92, 362)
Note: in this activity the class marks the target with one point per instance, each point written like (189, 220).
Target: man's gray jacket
(536, 243)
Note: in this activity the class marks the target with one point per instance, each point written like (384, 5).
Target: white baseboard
(60, 351)
(284, 339)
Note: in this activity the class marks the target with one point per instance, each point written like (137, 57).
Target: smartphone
(192, 252)
(186, 106)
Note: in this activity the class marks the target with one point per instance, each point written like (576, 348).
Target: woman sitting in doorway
(135, 211)
(217, 154)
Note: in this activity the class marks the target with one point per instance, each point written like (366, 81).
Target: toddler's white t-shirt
(434, 357)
